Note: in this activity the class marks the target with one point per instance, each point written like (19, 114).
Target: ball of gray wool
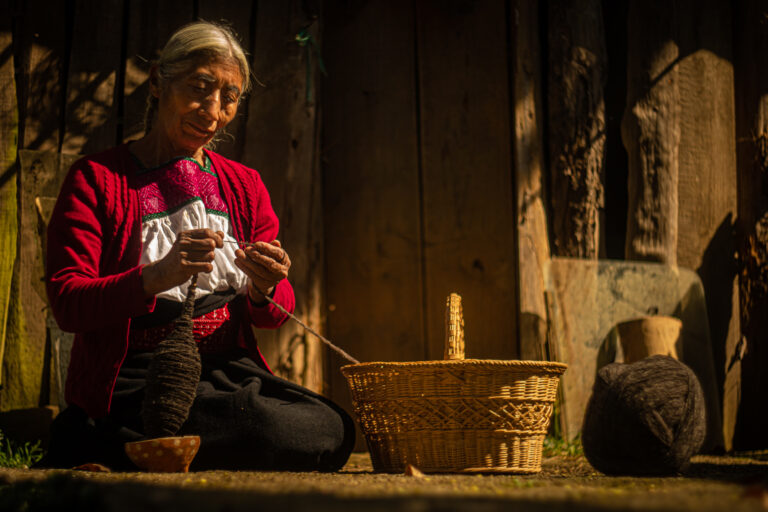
(644, 418)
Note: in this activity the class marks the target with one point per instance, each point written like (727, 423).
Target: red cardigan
(94, 278)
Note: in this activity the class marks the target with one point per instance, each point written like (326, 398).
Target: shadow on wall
(718, 271)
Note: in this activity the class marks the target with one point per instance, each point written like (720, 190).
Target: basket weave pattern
(458, 415)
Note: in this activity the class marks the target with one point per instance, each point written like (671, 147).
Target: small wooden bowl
(164, 454)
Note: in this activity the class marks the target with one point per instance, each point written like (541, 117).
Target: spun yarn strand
(173, 375)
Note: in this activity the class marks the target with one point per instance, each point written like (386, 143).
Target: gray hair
(189, 44)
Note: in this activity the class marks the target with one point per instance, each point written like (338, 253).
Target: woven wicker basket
(455, 415)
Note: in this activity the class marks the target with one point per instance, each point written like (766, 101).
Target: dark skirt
(247, 419)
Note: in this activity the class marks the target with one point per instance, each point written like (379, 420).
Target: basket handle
(454, 328)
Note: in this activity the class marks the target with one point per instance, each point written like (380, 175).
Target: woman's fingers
(261, 251)
(194, 267)
(260, 279)
(199, 246)
(263, 271)
(200, 239)
(278, 267)
(258, 272)
(192, 253)
(204, 234)
(265, 264)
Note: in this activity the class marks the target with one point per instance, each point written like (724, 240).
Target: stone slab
(592, 296)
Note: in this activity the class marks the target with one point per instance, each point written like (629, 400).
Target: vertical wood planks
(744, 416)
(43, 40)
(528, 142)
(94, 61)
(371, 185)
(237, 14)
(29, 372)
(42, 44)
(468, 204)
(150, 24)
(707, 178)
(9, 126)
(282, 143)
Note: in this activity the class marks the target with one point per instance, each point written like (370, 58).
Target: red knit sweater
(94, 277)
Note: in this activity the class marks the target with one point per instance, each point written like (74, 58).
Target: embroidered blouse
(177, 196)
(182, 195)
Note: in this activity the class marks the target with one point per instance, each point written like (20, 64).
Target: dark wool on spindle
(172, 376)
(644, 418)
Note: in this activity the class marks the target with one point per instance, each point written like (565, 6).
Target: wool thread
(173, 376)
(644, 418)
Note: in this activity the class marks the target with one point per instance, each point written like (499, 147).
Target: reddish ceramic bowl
(164, 454)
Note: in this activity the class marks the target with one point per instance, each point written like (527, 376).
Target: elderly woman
(131, 226)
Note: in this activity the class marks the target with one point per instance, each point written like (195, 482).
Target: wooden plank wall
(282, 133)
(529, 164)
(415, 178)
(747, 361)
(467, 191)
(371, 185)
(419, 196)
(708, 180)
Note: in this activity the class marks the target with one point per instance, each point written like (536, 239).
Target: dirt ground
(565, 483)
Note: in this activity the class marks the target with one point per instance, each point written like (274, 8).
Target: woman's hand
(191, 253)
(266, 264)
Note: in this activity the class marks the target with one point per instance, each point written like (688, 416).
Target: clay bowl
(164, 454)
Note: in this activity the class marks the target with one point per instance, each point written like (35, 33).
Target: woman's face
(196, 104)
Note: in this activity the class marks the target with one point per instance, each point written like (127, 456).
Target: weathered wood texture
(528, 149)
(150, 24)
(468, 207)
(31, 372)
(577, 77)
(40, 80)
(282, 143)
(238, 15)
(43, 56)
(94, 65)
(707, 178)
(651, 131)
(9, 119)
(371, 199)
(745, 379)
(432, 161)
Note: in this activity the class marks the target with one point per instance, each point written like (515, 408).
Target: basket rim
(546, 366)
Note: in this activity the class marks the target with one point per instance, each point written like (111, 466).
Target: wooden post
(651, 131)
(745, 362)
(41, 43)
(9, 125)
(527, 139)
(35, 375)
(281, 142)
(577, 76)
